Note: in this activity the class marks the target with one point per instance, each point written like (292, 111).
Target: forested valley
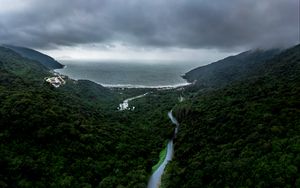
(74, 136)
(239, 126)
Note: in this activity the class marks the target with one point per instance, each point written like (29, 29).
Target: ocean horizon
(129, 74)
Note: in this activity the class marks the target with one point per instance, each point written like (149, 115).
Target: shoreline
(132, 86)
(129, 86)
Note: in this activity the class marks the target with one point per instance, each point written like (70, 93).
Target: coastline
(178, 80)
(130, 86)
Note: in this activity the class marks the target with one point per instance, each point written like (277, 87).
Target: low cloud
(191, 24)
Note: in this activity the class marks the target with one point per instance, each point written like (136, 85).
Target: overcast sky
(148, 29)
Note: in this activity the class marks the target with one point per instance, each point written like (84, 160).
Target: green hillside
(70, 136)
(44, 59)
(244, 135)
(21, 67)
(230, 69)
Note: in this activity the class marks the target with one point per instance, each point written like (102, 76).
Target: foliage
(73, 136)
(244, 135)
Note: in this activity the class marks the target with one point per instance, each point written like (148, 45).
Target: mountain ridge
(44, 59)
(229, 69)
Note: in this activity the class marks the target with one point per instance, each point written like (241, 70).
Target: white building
(55, 81)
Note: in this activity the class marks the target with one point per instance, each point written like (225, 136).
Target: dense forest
(73, 136)
(246, 134)
(239, 126)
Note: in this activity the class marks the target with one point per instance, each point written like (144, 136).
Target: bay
(129, 74)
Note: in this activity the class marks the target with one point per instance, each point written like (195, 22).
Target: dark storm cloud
(222, 24)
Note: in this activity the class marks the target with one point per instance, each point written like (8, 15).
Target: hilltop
(230, 69)
(44, 59)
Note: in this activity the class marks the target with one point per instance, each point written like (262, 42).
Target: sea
(130, 74)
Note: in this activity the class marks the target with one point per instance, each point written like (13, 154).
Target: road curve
(155, 179)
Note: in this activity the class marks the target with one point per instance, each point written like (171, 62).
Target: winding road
(155, 179)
